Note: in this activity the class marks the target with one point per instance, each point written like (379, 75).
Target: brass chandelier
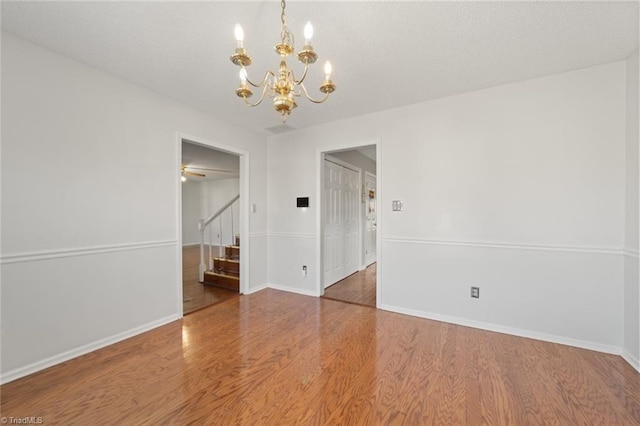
(281, 86)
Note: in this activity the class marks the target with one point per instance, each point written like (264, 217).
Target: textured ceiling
(384, 54)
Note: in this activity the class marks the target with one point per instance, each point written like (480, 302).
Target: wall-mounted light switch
(397, 205)
(254, 208)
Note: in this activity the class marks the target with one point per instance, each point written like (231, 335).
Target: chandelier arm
(304, 74)
(264, 79)
(315, 101)
(264, 92)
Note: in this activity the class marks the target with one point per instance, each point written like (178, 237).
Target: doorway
(348, 225)
(212, 222)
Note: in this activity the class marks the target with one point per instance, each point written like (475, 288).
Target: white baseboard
(293, 290)
(82, 350)
(633, 361)
(256, 289)
(506, 330)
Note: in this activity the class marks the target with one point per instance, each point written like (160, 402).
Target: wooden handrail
(203, 223)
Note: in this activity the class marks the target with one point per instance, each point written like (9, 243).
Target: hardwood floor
(358, 288)
(277, 358)
(194, 294)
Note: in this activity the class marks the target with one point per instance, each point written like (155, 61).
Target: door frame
(243, 214)
(320, 156)
(365, 262)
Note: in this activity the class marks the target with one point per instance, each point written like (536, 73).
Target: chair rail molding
(516, 246)
(81, 251)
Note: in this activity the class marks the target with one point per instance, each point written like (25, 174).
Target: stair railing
(202, 227)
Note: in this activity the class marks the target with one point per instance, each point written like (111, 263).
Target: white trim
(190, 244)
(633, 361)
(293, 290)
(179, 288)
(594, 346)
(83, 251)
(631, 252)
(573, 249)
(243, 216)
(290, 235)
(257, 289)
(85, 349)
(261, 234)
(364, 225)
(379, 200)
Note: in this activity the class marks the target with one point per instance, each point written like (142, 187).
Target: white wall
(90, 187)
(216, 194)
(191, 211)
(201, 199)
(632, 213)
(518, 189)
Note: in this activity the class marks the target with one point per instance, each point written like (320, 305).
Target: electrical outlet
(475, 292)
(304, 270)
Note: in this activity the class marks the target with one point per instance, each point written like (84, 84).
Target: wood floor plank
(358, 288)
(275, 358)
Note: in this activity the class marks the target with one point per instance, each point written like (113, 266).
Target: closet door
(341, 222)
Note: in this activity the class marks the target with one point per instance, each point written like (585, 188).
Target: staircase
(226, 270)
(222, 271)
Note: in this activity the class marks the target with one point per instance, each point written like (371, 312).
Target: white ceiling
(385, 54)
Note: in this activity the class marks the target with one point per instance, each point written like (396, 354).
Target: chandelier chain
(285, 35)
(283, 17)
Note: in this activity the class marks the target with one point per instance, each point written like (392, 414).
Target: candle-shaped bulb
(308, 32)
(327, 70)
(239, 34)
(243, 76)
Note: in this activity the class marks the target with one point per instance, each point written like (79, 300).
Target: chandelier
(282, 86)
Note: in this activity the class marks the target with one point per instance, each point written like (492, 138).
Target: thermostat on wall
(302, 202)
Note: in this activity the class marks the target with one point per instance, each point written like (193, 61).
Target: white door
(370, 197)
(350, 219)
(340, 215)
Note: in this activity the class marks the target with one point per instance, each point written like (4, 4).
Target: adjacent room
(319, 212)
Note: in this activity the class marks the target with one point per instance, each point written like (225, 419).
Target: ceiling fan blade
(213, 170)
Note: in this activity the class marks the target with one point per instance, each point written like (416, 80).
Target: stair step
(232, 252)
(222, 280)
(226, 265)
